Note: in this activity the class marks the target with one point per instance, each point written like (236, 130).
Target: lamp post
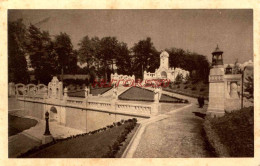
(47, 137)
(47, 130)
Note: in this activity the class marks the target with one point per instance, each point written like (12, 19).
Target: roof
(217, 50)
(229, 67)
(164, 53)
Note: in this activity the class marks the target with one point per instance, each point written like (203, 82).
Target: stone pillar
(216, 91)
(156, 95)
(87, 92)
(65, 93)
(115, 95)
(11, 89)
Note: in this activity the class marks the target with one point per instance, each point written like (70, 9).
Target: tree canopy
(145, 57)
(17, 64)
(51, 56)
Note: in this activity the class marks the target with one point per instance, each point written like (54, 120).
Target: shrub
(205, 82)
(194, 88)
(115, 146)
(194, 81)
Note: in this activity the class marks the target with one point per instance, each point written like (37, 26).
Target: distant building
(164, 71)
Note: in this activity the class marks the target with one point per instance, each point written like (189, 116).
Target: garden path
(178, 133)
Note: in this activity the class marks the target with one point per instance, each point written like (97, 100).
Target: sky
(195, 30)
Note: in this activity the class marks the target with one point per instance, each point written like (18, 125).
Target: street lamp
(47, 130)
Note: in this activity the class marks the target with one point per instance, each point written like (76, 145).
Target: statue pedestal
(47, 139)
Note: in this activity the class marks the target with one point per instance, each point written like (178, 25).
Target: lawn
(93, 91)
(87, 146)
(190, 89)
(17, 124)
(140, 94)
(233, 134)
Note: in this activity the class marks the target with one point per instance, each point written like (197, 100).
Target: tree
(145, 57)
(102, 53)
(17, 64)
(67, 59)
(123, 59)
(196, 64)
(250, 86)
(42, 56)
(88, 50)
(176, 57)
(108, 50)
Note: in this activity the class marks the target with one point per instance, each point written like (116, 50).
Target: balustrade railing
(116, 106)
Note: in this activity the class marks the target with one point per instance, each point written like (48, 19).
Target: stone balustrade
(117, 106)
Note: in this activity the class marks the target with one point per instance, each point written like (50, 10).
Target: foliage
(51, 57)
(196, 64)
(17, 65)
(40, 49)
(235, 131)
(178, 79)
(103, 53)
(194, 88)
(130, 125)
(250, 86)
(145, 57)
(66, 56)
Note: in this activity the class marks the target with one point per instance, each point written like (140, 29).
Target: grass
(140, 94)
(93, 91)
(17, 124)
(194, 89)
(233, 134)
(86, 146)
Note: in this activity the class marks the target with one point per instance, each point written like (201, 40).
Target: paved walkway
(177, 133)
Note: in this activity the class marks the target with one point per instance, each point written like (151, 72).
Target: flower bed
(94, 144)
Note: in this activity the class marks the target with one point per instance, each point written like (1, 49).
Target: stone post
(156, 105)
(65, 93)
(11, 89)
(87, 91)
(47, 137)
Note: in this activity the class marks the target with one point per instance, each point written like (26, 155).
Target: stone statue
(233, 90)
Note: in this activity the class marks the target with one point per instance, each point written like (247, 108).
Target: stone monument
(223, 87)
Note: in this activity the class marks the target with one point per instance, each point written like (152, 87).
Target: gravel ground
(179, 135)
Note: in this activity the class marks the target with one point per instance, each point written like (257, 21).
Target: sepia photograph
(130, 83)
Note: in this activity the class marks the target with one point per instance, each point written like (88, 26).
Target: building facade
(164, 71)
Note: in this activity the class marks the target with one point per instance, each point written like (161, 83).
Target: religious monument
(224, 87)
(164, 71)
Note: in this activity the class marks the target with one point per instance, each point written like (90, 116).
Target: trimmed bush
(233, 134)
(194, 88)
